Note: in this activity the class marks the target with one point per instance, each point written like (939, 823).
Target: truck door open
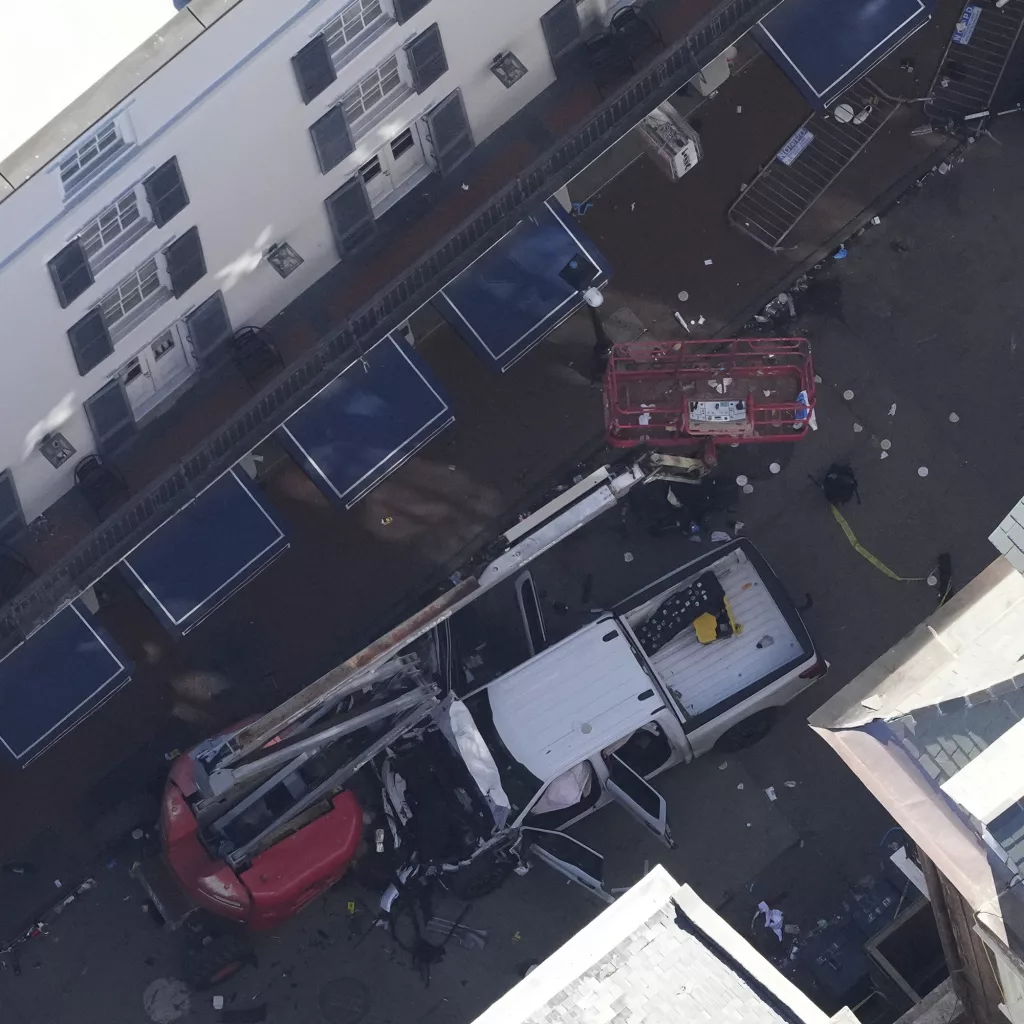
(638, 797)
(568, 856)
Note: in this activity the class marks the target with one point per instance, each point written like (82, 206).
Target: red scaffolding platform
(693, 395)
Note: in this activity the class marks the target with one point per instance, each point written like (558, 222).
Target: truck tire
(478, 880)
(748, 732)
(215, 959)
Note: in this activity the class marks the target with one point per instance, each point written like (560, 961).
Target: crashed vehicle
(469, 737)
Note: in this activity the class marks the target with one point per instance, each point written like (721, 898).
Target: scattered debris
(857, 428)
(386, 521)
(58, 883)
(456, 578)
(748, 488)
(741, 480)
(892, 409)
(465, 187)
(670, 497)
(739, 109)
(723, 766)
(817, 379)
(771, 794)
(791, 929)
(841, 253)
(775, 468)
(684, 296)
(766, 641)
(848, 395)
(932, 581)
(883, 455)
(876, 220)
(218, 1002)
(885, 444)
(627, 556)
(166, 1000)
(922, 471)
(739, 785)
(953, 418)
(708, 263)
(790, 784)
(773, 919)
(682, 320)
(719, 537)
(737, 526)
(137, 833)
(700, 320)
(632, 207)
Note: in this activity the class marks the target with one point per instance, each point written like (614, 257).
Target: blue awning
(512, 296)
(378, 412)
(824, 46)
(207, 551)
(58, 676)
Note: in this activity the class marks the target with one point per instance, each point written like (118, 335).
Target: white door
(157, 370)
(390, 167)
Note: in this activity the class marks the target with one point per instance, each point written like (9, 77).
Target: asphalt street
(920, 322)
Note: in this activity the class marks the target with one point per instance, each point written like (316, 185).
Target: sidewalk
(350, 574)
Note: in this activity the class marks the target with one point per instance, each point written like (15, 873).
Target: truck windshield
(520, 784)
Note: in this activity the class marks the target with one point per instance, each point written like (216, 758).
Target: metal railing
(257, 420)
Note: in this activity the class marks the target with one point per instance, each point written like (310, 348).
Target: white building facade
(208, 179)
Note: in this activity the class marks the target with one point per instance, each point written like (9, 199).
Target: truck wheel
(748, 732)
(478, 880)
(216, 959)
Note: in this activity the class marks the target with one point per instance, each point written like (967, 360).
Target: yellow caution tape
(860, 549)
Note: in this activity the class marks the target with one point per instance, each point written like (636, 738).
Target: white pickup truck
(475, 731)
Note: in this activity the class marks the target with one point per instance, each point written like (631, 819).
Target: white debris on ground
(848, 395)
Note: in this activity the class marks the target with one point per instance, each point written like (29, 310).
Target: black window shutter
(427, 62)
(12, 518)
(405, 9)
(314, 69)
(110, 416)
(166, 192)
(185, 262)
(70, 272)
(331, 139)
(90, 341)
(449, 132)
(562, 32)
(351, 216)
(208, 328)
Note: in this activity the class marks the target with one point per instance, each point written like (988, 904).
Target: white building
(150, 167)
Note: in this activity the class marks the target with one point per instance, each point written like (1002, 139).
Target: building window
(109, 233)
(90, 157)
(354, 19)
(372, 91)
(131, 293)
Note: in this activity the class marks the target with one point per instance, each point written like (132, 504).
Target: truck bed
(702, 676)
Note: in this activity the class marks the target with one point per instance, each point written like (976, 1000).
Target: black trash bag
(840, 485)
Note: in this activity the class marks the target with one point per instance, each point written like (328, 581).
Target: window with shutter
(208, 328)
(90, 341)
(351, 216)
(166, 192)
(110, 416)
(562, 32)
(314, 68)
(185, 262)
(427, 61)
(12, 519)
(449, 132)
(70, 272)
(405, 9)
(331, 139)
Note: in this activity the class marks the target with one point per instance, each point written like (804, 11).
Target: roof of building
(950, 696)
(659, 954)
(572, 699)
(71, 63)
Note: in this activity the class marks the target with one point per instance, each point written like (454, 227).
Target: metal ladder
(970, 72)
(772, 205)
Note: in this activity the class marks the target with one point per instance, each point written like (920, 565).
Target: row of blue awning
(377, 413)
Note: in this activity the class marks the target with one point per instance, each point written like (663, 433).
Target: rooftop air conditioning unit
(670, 142)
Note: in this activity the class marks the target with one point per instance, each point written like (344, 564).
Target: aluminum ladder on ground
(775, 201)
(970, 72)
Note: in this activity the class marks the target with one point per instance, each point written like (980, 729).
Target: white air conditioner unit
(670, 142)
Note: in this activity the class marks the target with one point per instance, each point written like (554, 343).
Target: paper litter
(708, 263)
(748, 488)
(627, 556)
(771, 794)
(953, 418)
(857, 428)
(848, 395)
(892, 409)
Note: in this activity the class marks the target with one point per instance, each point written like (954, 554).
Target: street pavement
(924, 314)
